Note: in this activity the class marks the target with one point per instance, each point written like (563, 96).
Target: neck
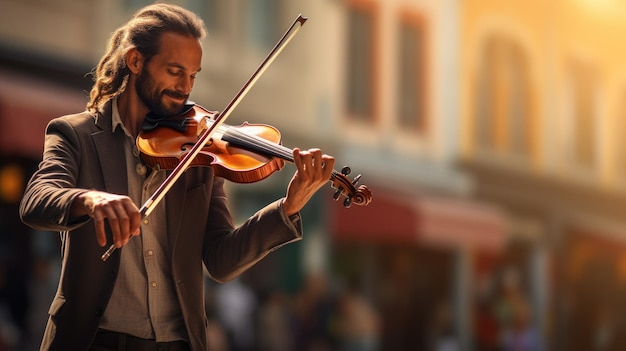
(132, 112)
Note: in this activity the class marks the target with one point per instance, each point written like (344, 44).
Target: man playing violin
(149, 293)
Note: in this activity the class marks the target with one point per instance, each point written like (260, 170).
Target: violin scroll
(344, 187)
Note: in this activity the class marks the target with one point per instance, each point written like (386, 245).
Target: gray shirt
(144, 301)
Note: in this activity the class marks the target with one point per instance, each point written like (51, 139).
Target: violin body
(167, 146)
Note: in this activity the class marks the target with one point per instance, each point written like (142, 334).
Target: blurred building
(541, 107)
(488, 132)
(374, 83)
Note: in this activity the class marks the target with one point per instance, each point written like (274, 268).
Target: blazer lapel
(110, 151)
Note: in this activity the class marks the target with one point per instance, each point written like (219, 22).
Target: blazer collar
(110, 152)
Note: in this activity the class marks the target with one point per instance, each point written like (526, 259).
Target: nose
(185, 84)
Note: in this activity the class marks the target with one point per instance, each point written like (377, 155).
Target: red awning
(26, 107)
(420, 219)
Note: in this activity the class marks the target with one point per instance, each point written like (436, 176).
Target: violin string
(258, 144)
(251, 141)
(269, 147)
(243, 139)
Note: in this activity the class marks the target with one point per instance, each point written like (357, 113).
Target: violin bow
(185, 162)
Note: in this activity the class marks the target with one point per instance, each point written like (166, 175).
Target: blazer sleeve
(231, 250)
(49, 194)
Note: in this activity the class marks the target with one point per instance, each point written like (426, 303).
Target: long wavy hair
(143, 31)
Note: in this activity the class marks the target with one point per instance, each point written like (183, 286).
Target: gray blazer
(81, 152)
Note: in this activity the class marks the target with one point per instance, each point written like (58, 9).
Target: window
(208, 10)
(583, 111)
(360, 65)
(133, 5)
(504, 108)
(618, 136)
(411, 73)
(211, 12)
(264, 27)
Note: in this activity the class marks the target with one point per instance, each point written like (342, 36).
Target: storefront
(416, 258)
(590, 283)
(28, 257)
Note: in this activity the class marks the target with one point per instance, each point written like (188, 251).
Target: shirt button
(150, 252)
(140, 169)
(154, 284)
(145, 221)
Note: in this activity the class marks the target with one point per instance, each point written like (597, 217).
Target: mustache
(176, 94)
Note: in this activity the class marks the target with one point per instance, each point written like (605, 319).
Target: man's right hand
(123, 215)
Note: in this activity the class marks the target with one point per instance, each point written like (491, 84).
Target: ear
(134, 60)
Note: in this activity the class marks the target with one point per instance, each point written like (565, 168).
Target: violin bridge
(202, 125)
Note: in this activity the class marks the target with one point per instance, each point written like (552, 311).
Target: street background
(490, 133)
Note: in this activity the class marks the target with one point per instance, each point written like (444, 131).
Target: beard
(153, 99)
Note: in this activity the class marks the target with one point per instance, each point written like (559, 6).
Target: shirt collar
(117, 119)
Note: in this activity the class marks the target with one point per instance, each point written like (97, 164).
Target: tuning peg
(347, 202)
(356, 179)
(337, 194)
(346, 170)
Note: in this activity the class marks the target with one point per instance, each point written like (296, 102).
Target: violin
(246, 153)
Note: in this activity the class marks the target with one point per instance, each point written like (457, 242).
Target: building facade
(488, 132)
(542, 114)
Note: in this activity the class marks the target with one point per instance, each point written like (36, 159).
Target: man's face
(165, 82)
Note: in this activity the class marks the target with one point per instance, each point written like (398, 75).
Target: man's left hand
(313, 171)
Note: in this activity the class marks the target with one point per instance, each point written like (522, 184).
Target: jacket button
(99, 312)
